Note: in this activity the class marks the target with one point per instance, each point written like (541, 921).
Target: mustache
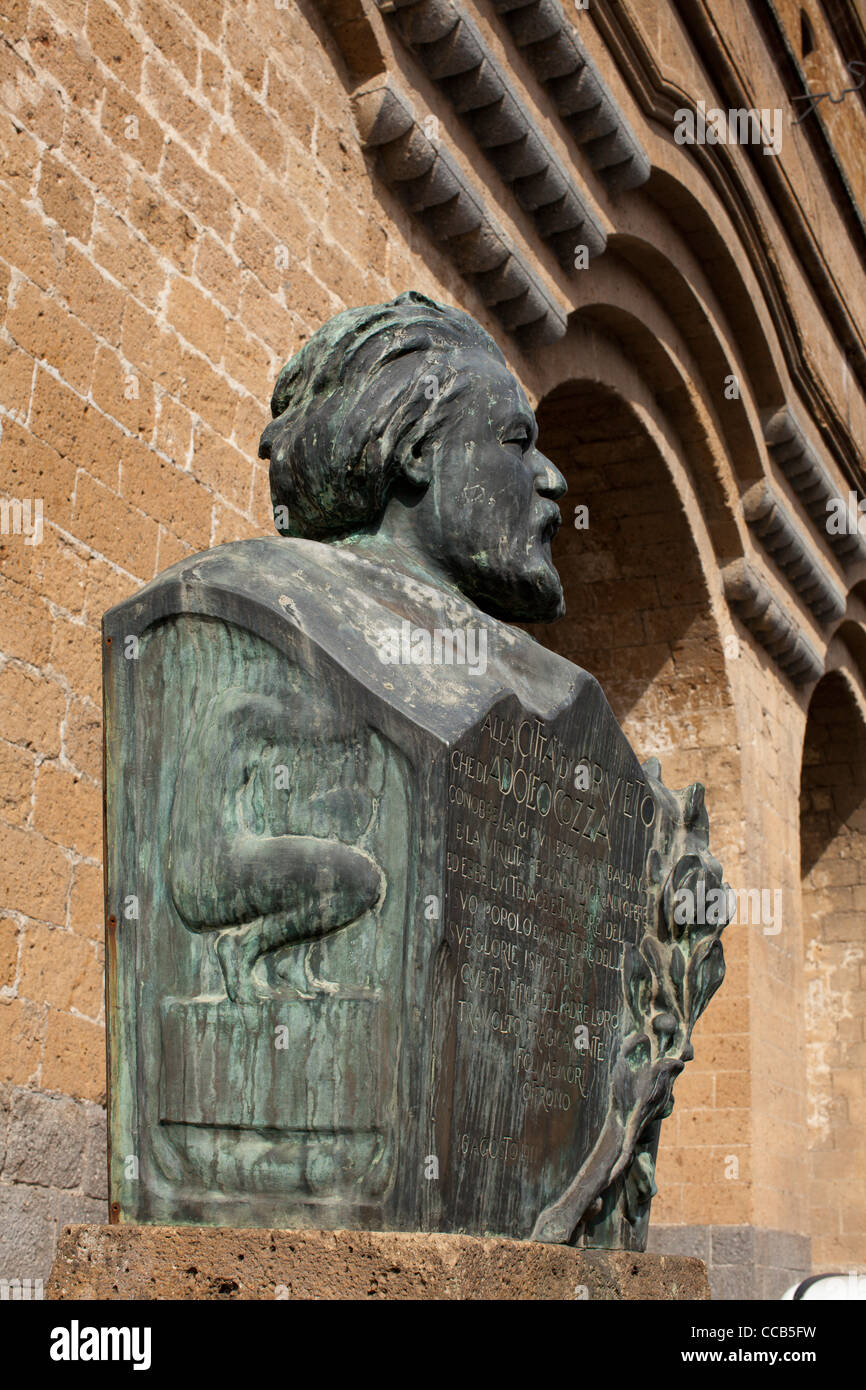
(550, 522)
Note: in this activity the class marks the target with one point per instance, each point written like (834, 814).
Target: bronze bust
(402, 951)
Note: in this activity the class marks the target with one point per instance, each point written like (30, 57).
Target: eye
(520, 435)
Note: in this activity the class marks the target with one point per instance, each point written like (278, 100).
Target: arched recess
(833, 867)
(848, 647)
(717, 359)
(708, 459)
(639, 616)
(638, 611)
(355, 36)
(713, 250)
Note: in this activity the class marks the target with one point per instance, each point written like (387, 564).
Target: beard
(525, 590)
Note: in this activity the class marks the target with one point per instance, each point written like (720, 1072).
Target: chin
(546, 606)
(533, 596)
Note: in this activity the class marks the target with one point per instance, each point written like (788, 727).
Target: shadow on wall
(638, 616)
(833, 863)
(637, 608)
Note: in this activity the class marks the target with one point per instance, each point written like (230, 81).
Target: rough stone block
(26, 1231)
(732, 1245)
(680, 1240)
(731, 1282)
(788, 1250)
(95, 1179)
(46, 1140)
(191, 1262)
(73, 1208)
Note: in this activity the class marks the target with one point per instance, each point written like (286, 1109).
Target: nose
(549, 482)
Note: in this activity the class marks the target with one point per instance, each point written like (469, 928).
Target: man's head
(409, 406)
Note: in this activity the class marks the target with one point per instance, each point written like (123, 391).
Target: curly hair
(353, 408)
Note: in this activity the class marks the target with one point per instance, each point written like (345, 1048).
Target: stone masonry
(188, 188)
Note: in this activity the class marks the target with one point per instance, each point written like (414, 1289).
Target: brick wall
(182, 201)
(833, 820)
(639, 617)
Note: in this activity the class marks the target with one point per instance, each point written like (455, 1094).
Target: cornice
(778, 535)
(435, 189)
(660, 99)
(752, 599)
(454, 54)
(791, 450)
(587, 107)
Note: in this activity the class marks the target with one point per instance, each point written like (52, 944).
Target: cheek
(485, 495)
(516, 497)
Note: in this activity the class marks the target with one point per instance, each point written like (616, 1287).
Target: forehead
(493, 385)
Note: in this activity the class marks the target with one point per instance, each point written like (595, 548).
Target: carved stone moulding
(435, 189)
(553, 48)
(453, 51)
(391, 947)
(791, 450)
(776, 531)
(753, 601)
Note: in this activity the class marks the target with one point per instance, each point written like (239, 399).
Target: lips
(550, 523)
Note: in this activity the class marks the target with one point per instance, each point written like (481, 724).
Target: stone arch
(638, 608)
(721, 444)
(833, 867)
(620, 335)
(846, 651)
(642, 616)
(717, 358)
(708, 461)
(718, 254)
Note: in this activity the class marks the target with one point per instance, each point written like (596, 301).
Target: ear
(420, 458)
(269, 433)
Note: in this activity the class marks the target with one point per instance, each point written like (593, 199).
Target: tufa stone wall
(833, 819)
(183, 199)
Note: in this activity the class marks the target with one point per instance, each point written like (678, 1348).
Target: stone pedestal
(189, 1262)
